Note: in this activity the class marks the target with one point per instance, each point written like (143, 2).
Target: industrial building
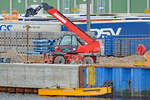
(79, 6)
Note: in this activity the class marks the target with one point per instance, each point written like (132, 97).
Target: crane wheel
(59, 60)
(88, 60)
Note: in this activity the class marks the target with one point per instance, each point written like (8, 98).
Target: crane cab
(67, 51)
(68, 44)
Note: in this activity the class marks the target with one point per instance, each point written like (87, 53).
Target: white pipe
(42, 9)
(92, 5)
(75, 5)
(128, 6)
(147, 4)
(26, 4)
(58, 5)
(110, 6)
(10, 9)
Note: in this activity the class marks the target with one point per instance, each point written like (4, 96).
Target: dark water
(7, 96)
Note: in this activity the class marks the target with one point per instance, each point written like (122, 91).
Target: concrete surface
(39, 75)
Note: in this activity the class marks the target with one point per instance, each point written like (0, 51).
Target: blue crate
(40, 41)
(40, 48)
(33, 53)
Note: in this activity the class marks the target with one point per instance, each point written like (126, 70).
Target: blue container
(121, 81)
(140, 81)
(118, 28)
(147, 78)
(101, 75)
(108, 46)
(85, 77)
(126, 81)
(125, 45)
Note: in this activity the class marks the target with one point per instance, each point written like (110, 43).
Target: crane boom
(92, 45)
(70, 26)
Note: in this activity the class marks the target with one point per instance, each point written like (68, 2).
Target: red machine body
(80, 51)
(91, 46)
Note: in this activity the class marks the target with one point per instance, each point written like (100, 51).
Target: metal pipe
(58, 5)
(92, 3)
(110, 6)
(26, 4)
(128, 6)
(27, 33)
(42, 9)
(10, 9)
(147, 4)
(88, 15)
(75, 5)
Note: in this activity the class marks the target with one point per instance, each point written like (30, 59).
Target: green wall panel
(149, 4)
(81, 1)
(33, 2)
(95, 6)
(138, 6)
(72, 6)
(119, 6)
(20, 6)
(61, 6)
(52, 3)
(4, 5)
(106, 6)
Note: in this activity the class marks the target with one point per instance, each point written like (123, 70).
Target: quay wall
(39, 75)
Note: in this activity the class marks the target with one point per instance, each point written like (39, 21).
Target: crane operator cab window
(68, 44)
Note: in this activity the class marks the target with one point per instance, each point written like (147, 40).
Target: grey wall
(39, 75)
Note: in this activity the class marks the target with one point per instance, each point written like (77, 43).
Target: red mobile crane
(70, 49)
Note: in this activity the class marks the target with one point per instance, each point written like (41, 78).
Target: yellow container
(3, 12)
(146, 11)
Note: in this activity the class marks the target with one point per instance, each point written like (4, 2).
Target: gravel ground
(120, 61)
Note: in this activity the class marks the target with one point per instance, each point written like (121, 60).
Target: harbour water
(8, 96)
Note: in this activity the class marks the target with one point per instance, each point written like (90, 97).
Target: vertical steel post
(88, 15)
(58, 5)
(128, 6)
(92, 5)
(147, 4)
(10, 5)
(42, 9)
(110, 6)
(75, 5)
(27, 30)
(26, 4)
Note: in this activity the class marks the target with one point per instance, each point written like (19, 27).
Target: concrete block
(39, 75)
